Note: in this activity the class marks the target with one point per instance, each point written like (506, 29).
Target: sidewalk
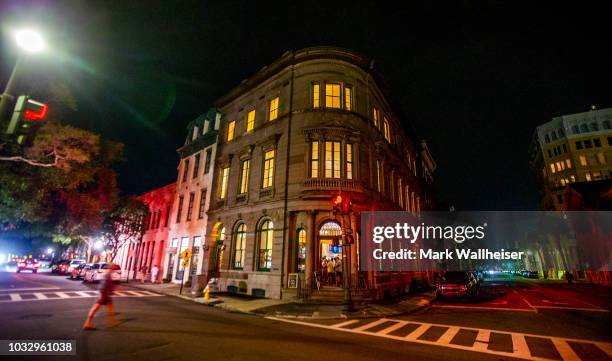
(290, 309)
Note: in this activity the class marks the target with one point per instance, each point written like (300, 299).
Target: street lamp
(30, 41)
(49, 250)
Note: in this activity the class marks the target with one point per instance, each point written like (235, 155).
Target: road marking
(28, 289)
(418, 332)
(482, 340)
(520, 348)
(564, 349)
(83, 294)
(15, 297)
(572, 308)
(62, 295)
(40, 296)
(135, 293)
(486, 308)
(119, 293)
(555, 302)
(448, 336)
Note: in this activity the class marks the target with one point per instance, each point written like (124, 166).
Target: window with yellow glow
(552, 168)
(573, 178)
(314, 159)
(250, 122)
(316, 93)
(407, 198)
(588, 176)
(332, 95)
(583, 161)
(400, 193)
(348, 98)
(273, 109)
(568, 162)
(230, 130)
(332, 159)
(349, 161)
(244, 176)
(239, 246)
(223, 179)
(378, 178)
(376, 116)
(266, 237)
(301, 251)
(387, 130)
(268, 174)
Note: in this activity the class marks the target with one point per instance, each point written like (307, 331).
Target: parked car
(97, 272)
(79, 271)
(60, 266)
(457, 285)
(28, 264)
(74, 264)
(45, 266)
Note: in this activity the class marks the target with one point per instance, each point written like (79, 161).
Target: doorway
(329, 260)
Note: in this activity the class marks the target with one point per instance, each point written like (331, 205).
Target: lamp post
(29, 41)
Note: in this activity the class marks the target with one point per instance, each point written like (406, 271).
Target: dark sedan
(457, 285)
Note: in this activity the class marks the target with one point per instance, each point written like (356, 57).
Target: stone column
(310, 251)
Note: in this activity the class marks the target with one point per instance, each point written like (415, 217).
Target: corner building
(315, 123)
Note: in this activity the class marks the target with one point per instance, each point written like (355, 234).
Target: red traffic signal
(26, 118)
(35, 110)
(341, 204)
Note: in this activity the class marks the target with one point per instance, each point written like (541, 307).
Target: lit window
(239, 246)
(348, 98)
(179, 211)
(349, 161)
(244, 176)
(314, 159)
(316, 102)
(190, 206)
(562, 182)
(196, 165)
(250, 123)
(572, 178)
(552, 168)
(273, 109)
(202, 204)
(583, 161)
(569, 163)
(185, 170)
(400, 193)
(378, 179)
(588, 176)
(601, 157)
(223, 179)
(387, 130)
(407, 198)
(332, 95)
(268, 169)
(266, 237)
(301, 251)
(332, 159)
(230, 130)
(376, 116)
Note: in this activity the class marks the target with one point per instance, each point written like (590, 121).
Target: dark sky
(473, 78)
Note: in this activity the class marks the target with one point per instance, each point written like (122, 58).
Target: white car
(97, 272)
(74, 264)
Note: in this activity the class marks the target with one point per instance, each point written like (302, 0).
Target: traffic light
(341, 204)
(26, 118)
(350, 239)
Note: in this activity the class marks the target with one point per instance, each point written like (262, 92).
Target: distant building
(571, 149)
(188, 221)
(315, 123)
(151, 249)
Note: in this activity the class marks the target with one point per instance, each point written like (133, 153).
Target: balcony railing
(331, 184)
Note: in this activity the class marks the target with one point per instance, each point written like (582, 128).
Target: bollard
(206, 290)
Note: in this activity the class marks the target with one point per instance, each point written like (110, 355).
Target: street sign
(185, 262)
(186, 254)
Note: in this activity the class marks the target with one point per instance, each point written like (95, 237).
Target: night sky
(474, 79)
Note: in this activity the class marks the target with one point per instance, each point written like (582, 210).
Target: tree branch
(31, 162)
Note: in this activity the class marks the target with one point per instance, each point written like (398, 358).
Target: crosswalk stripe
(448, 336)
(15, 296)
(482, 340)
(40, 296)
(565, 350)
(150, 293)
(346, 323)
(392, 328)
(62, 295)
(370, 325)
(418, 332)
(519, 346)
(83, 294)
(135, 293)
(119, 293)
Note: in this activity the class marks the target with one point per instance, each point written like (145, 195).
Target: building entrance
(330, 257)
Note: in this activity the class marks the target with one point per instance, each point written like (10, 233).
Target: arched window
(266, 236)
(239, 246)
(301, 250)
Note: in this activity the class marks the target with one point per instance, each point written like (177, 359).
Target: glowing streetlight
(98, 245)
(30, 40)
(49, 250)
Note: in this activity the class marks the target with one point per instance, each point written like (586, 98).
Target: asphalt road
(155, 327)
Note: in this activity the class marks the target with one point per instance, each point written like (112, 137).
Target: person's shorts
(105, 300)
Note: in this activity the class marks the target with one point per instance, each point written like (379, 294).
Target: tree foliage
(124, 224)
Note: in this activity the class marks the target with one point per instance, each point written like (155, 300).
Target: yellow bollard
(206, 290)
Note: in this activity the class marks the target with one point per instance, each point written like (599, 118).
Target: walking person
(338, 270)
(143, 271)
(105, 299)
(330, 272)
(154, 272)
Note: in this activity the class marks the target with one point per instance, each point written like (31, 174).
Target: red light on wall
(337, 200)
(40, 115)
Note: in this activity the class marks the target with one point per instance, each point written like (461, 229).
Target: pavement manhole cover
(35, 316)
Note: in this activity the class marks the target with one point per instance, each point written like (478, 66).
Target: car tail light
(22, 264)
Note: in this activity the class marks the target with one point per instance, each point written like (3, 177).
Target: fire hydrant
(206, 291)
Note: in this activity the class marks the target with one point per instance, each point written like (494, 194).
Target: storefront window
(301, 250)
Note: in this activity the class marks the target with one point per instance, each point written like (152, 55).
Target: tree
(124, 224)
